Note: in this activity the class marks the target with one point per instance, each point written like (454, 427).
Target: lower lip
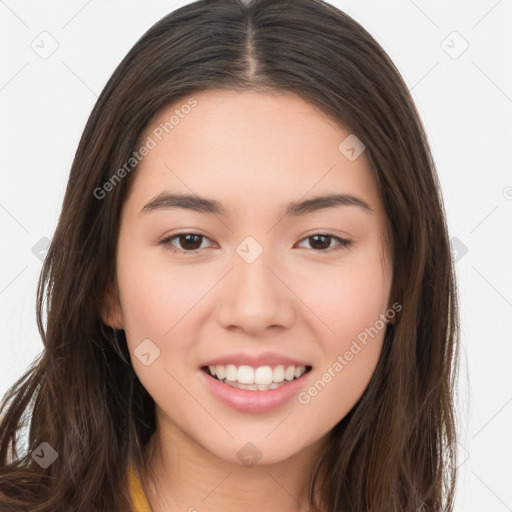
(246, 400)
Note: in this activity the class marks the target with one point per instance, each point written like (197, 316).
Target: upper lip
(255, 360)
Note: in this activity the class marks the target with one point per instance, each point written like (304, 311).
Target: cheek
(160, 303)
(350, 357)
(158, 306)
(339, 384)
(350, 305)
(154, 293)
(350, 297)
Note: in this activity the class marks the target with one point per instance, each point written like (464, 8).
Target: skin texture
(254, 153)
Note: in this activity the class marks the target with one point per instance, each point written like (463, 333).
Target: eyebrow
(166, 200)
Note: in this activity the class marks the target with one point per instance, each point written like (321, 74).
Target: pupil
(187, 237)
(322, 246)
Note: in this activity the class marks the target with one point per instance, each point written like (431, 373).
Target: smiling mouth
(256, 386)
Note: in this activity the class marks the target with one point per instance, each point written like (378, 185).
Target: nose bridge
(254, 297)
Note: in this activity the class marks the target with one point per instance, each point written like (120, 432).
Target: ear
(111, 312)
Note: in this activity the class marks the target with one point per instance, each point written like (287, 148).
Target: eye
(186, 240)
(191, 242)
(322, 242)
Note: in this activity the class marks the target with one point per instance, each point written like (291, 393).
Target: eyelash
(342, 242)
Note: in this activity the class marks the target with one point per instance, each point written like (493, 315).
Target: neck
(183, 476)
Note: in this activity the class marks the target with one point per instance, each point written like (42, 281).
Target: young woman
(250, 297)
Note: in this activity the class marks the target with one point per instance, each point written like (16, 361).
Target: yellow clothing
(140, 502)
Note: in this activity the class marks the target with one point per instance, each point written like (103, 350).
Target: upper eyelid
(315, 233)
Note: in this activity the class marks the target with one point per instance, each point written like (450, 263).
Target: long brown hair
(395, 449)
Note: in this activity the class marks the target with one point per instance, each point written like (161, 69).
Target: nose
(255, 297)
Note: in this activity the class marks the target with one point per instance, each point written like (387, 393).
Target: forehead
(238, 146)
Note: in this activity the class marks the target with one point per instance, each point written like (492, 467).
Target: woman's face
(254, 277)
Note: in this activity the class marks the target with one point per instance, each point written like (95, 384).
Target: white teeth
(231, 372)
(246, 375)
(289, 374)
(221, 372)
(278, 375)
(253, 387)
(263, 375)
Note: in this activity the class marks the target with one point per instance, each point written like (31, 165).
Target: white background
(465, 104)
